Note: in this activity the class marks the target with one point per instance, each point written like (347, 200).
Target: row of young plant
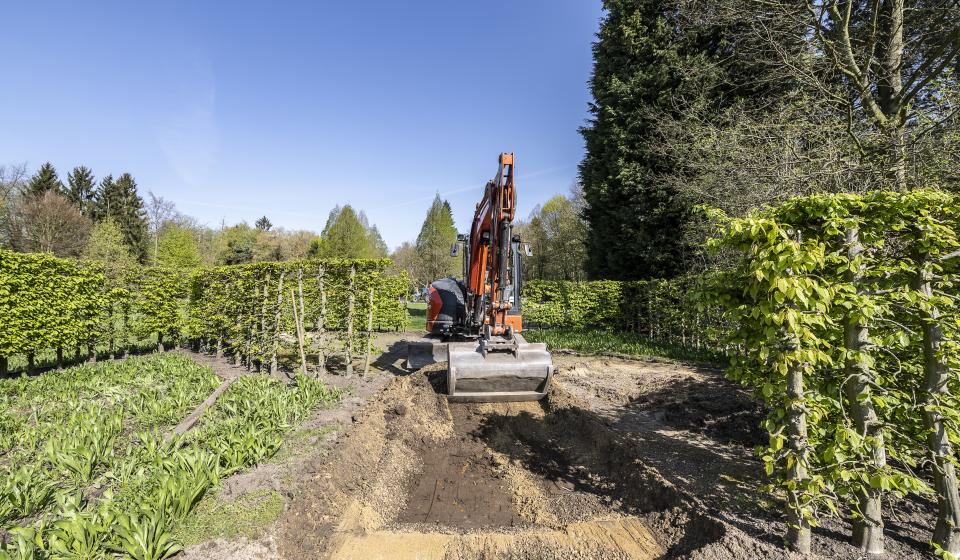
(313, 308)
(664, 312)
(843, 312)
(77, 309)
(86, 469)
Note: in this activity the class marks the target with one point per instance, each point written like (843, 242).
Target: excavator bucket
(478, 374)
(428, 350)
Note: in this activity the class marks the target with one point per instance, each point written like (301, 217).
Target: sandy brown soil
(624, 459)
(699, 430)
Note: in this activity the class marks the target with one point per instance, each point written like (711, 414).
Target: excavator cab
(475, 325)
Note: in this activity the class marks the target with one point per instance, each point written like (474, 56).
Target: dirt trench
(417, 477)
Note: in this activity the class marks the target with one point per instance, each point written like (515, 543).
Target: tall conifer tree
(436, 237)
(43, 181)
(80, 189)
(118, 199)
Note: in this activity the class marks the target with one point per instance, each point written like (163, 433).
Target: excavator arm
(490, 263)
(475, 325)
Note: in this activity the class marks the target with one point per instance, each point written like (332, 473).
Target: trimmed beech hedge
(53, 304)
(665, 311)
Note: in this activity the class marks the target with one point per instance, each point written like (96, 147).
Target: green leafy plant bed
(87, 472)
(591, 341)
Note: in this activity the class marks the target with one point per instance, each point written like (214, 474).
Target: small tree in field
(177, 248)
(106, 246)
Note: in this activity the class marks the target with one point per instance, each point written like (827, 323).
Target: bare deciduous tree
(159, 211)
(49, 224)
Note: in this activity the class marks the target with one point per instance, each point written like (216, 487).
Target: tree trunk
(4, 366)
(350, 301)
(890, 87)
(946, 534)
(276, 325)
(321, 321)
(366, 360)
(798, 526)
(159, 344)
(91, 354)
(31, 364)
(868, 526)
(59, 356)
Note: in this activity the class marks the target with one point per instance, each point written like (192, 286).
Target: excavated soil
(417, 477)
(623, 459)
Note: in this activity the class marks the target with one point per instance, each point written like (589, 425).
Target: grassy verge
(418, 316)
(246, 516)
(587, 341)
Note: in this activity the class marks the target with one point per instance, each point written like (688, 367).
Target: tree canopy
(349, 235)
(437, 236)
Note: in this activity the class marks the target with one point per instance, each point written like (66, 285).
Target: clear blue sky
(238, 109)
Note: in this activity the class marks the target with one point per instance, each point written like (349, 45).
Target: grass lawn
(591, 341)
(418, 316)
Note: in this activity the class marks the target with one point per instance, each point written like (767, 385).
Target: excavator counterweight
(474, 325)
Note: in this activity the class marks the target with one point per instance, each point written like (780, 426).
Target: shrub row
(667, 312)
(246, 309)
(52, 304)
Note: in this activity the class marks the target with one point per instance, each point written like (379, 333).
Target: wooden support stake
(262, 339)
(366, 362)
(190, 421)
(321, 321)
(299, 327)
(350, 301)
(276, 325)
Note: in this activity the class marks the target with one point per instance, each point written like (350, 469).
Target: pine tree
(106, 199)
(437, 236)
(118, 199)
(263, 224)
(134, 218)
(43, 181)
(80, 191)
(378, 247)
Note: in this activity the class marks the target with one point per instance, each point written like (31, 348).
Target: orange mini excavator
(474, 325)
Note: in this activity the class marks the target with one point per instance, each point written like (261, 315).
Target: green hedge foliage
(49, 304)
(46, 302)
(665, 311)
(235, 307)
(844, 321)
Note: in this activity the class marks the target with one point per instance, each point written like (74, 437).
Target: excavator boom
(474, 325)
